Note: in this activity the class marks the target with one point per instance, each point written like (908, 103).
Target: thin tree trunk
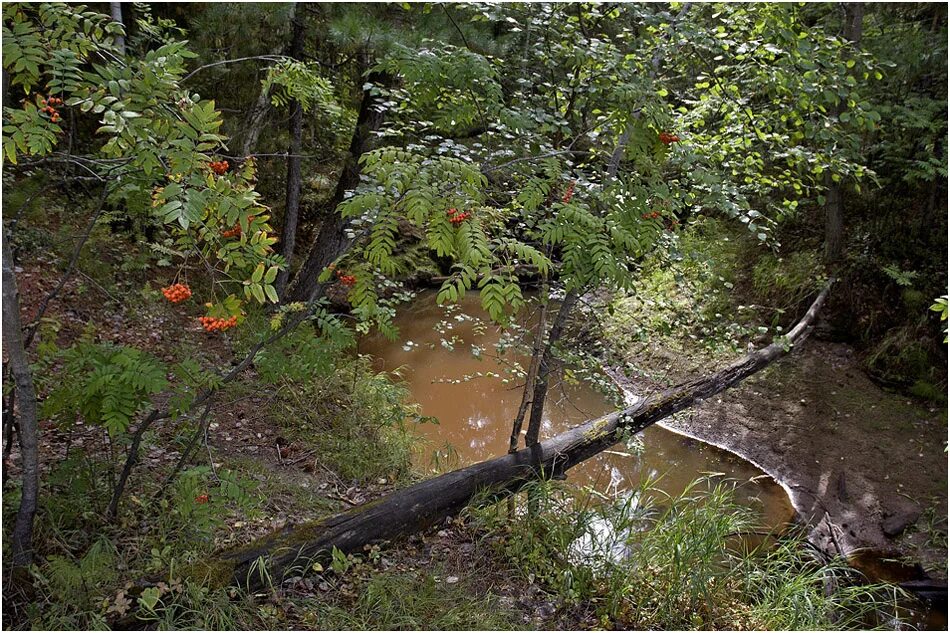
(545, 366)
(547, 359)
(70, 268)
(332, 240)
(116, 8)
(186, 454)
(834, 221)
(255, 122)
(131, 460)
(257, 118)
(21, 550)
(288, 232)
(851, 30)
(531, 378)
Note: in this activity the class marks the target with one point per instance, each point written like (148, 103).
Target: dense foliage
(711, 164)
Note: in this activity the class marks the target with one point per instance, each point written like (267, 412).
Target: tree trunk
(257, 118)
(853, 22)
(531, 378)
(834, 220)
(116, 8)
(834, 202)
(21, 550)
(332, 241)
(545, 366)
(292, 550)
(288, 232)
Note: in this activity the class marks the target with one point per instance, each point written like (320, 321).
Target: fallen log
(294, 549)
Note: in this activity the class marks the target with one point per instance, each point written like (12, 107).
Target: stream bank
(865, 469)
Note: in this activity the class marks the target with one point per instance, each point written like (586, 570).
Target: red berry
(569, 193)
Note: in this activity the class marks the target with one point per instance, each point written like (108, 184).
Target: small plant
(106, 384)
(940, 306)
(410, 601)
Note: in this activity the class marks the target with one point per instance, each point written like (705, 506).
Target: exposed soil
(864, 468)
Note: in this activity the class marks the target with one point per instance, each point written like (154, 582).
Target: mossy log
(294, 549)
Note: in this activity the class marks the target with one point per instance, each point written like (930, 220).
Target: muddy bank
(864, 468)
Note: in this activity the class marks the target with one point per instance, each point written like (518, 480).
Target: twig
(531, 158)
(41, 310)
(19, 211)
(301, 458)
(269, 58)
(186, 454)
(214, 470)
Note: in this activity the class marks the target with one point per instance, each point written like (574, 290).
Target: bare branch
(269, 58)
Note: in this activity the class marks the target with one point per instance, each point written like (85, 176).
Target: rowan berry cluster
(346, 280)
(666, 138)
(177, 293)
(569, 192)
(201, 499)
(651, 216)
(219, 166)
(235, 230)
(47, 106)
(215, 324)
(456, 217)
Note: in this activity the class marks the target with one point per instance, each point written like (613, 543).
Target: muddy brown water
(475, 396)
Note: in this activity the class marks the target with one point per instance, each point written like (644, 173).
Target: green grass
(654, 562)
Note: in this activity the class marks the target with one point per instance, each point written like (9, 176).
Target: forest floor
(870, 462)
(449, 571)
(874, 461)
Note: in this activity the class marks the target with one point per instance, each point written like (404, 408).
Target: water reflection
(475, 397)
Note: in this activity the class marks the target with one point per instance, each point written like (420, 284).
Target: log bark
(294, 549)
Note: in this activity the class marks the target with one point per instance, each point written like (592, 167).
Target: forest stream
(449, 358)
(475, 396)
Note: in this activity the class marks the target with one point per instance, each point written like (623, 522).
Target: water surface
(448, 358)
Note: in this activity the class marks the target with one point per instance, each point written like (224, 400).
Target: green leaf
(271, 293)
(271, 275)
(149, 598)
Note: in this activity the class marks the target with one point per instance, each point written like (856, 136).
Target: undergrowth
(411, 601)
(709, 296)
(349, 419)
(359, 421)
(648, 561)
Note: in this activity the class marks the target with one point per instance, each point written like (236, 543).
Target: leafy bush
(106, 384)
(357, 420)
